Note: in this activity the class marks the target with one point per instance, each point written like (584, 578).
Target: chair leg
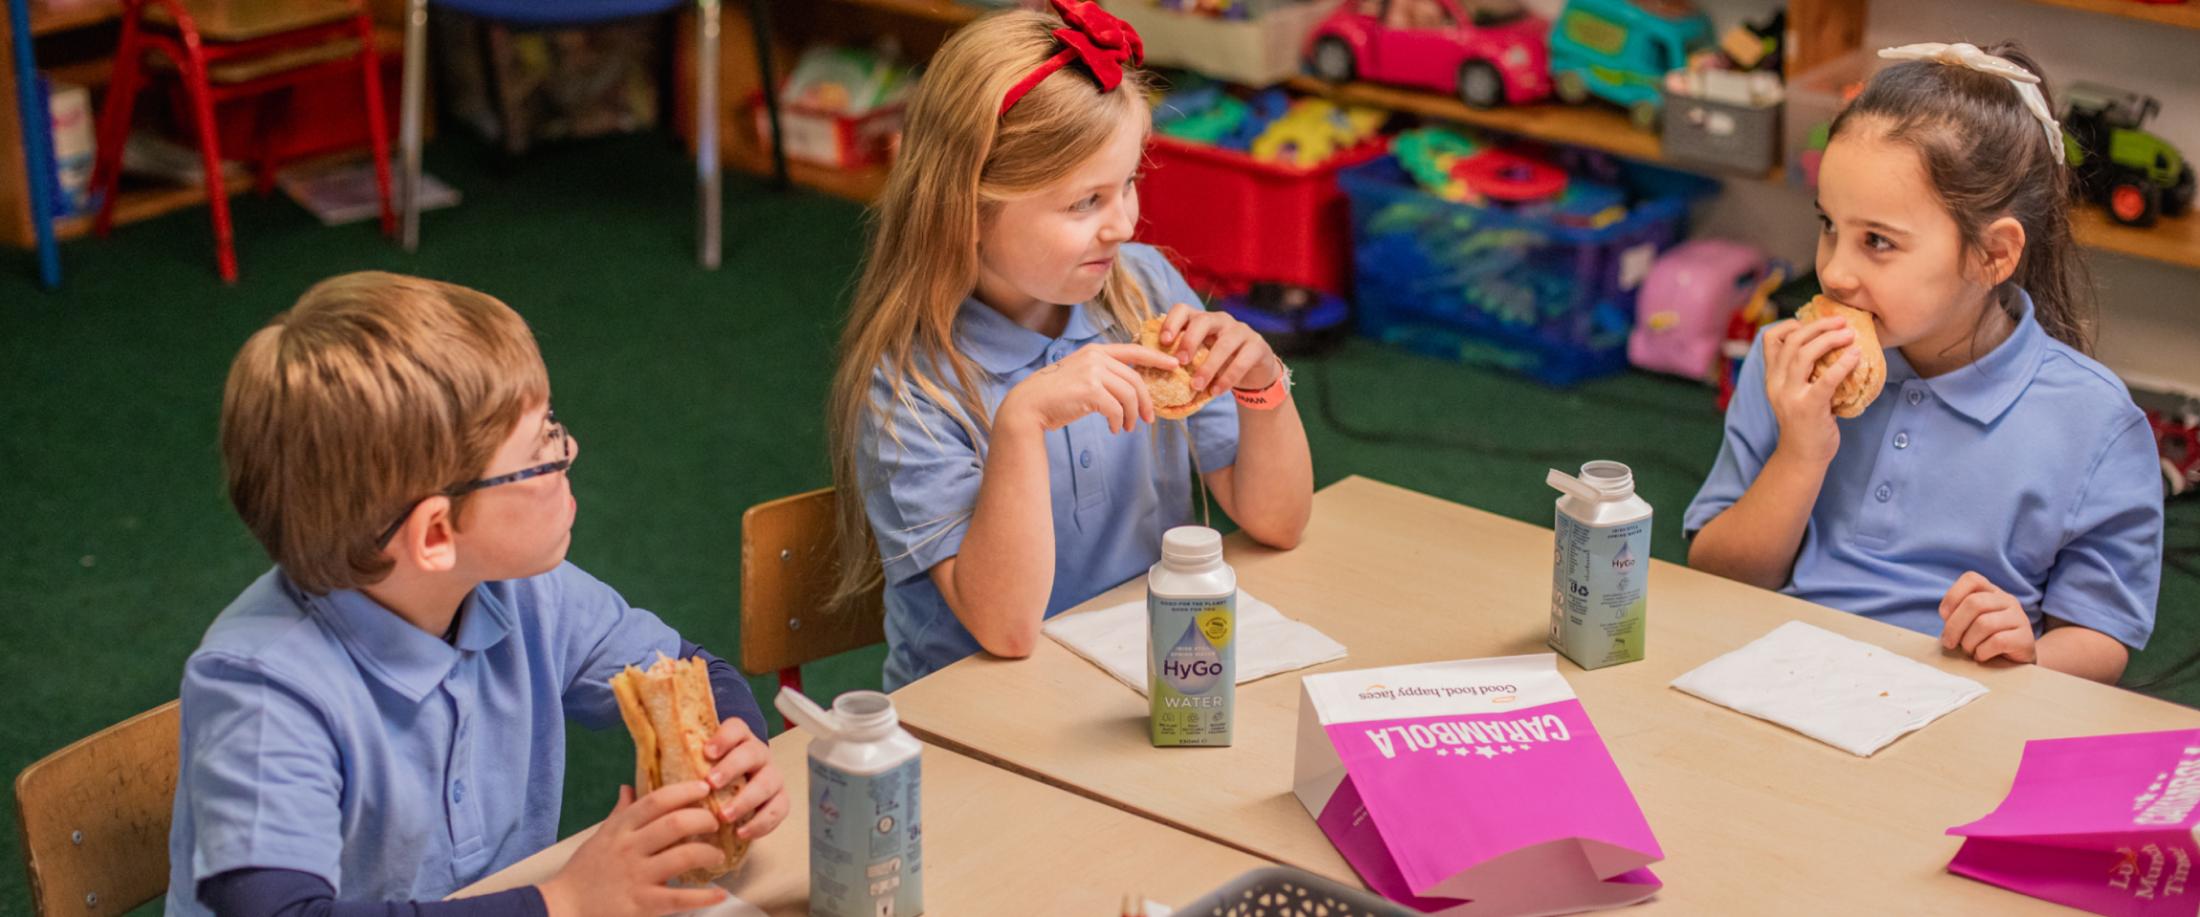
(411, 99)
(378, 132)
(509, 142)
(270, 156)
(789, 677)
(708, 180)
(760, 16)
(114, 125)
(193, 68)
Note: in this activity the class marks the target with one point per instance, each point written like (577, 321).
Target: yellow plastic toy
(1313, 130)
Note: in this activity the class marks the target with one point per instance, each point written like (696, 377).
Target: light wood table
(994, 843)
(1753, 819)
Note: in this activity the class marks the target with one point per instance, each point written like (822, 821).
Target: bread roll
(1173, 397)
(1863, 384)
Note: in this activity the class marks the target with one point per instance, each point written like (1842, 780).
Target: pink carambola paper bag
(2101, 823)
(1476, 787)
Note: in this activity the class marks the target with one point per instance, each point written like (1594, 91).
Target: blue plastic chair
(542, 13)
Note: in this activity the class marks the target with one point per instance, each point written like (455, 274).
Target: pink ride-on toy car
(1688, 303)
(1488, 53)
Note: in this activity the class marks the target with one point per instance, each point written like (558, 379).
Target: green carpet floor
(698, 394)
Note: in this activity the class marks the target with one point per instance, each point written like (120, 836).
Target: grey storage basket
(1280, 891)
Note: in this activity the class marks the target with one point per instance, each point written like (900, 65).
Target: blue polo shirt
(325, 734)
(2031, 466)
(1112, 494)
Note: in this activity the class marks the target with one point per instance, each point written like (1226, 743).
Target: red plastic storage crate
(1229, 220)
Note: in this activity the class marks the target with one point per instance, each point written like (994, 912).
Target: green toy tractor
(2133, 173)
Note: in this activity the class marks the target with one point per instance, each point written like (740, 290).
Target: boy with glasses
(380, 720)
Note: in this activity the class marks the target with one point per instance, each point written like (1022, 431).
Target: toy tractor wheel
(1644, 114)
(2133, 201)
(1480, 85)
(1572, 88)
(1332, 60)
(2178, 199)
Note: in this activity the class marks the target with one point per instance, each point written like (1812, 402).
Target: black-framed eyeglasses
(558, 439)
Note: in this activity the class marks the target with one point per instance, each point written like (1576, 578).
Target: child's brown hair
(372, 391)
(1987, 157)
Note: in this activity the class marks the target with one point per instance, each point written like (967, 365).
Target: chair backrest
(788, 565)
(95, 817)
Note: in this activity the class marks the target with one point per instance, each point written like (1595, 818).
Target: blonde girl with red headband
(997, 455)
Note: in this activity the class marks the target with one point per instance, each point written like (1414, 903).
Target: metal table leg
(409, 118)
(709, 192)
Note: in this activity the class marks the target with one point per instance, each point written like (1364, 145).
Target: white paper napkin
(1846, 693)
(1114, 638)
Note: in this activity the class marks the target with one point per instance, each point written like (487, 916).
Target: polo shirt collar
(1985, 388)
(390, 649)
(1989, 385)
(1002, 347)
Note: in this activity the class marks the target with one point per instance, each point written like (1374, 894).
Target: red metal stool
(235, 49)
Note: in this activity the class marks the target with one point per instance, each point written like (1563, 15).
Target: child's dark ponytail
(1988, 157)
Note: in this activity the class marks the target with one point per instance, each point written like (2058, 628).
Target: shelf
(1591, 126)
(945, 11)
(90, 74)
(2173, 241)
(145, 202)
(861, 186)
(48, 18)
(2181, 15)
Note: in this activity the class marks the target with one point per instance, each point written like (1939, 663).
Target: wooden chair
(95, 817)
(788, 563)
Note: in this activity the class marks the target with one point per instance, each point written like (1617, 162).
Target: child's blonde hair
(960, 160)
(373, 391)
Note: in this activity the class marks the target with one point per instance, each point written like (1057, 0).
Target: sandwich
(671, 714)
(1171, 389)
(1863, 384)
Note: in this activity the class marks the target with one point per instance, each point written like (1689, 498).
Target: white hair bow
(1965, 54)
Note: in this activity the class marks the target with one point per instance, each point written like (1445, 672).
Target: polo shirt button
(458, 791)
(1885, 493)
(1916, 397)
(1902, 440)
(1084, 459)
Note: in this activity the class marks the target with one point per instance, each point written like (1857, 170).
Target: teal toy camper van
(1619, 51)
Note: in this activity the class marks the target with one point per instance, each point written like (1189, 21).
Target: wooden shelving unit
(145, 203)
(860, 185)
(2171, 241)
(135, 203)
(2181, 15)
(1595, 127)
(1824, 29)
(48, 17)
(946, 11)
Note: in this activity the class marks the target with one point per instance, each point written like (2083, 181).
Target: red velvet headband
(1094, 36)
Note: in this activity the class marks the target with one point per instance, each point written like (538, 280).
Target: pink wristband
(1267, 399)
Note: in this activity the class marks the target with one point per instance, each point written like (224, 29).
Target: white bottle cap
(1614, 480)
(1191, 546)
